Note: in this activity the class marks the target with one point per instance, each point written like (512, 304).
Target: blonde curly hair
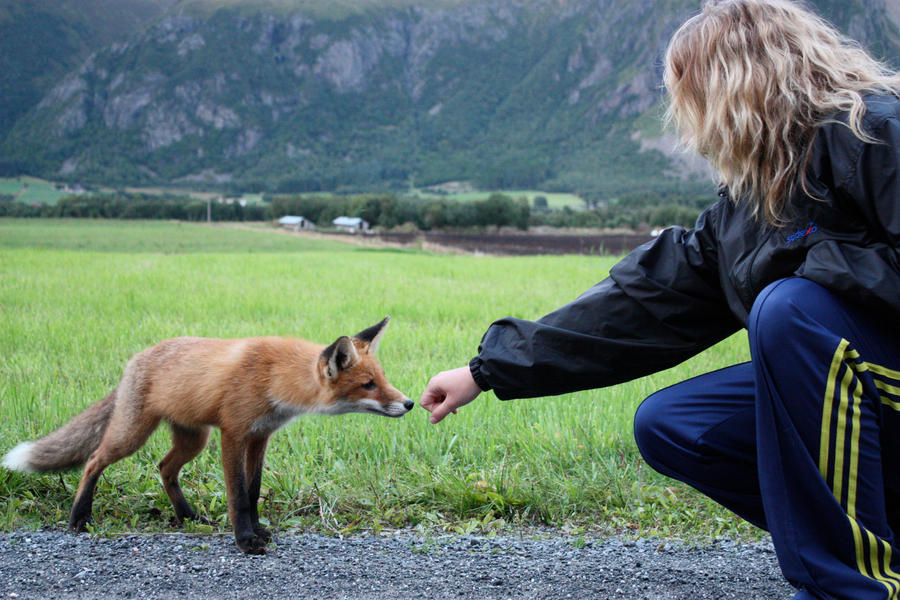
(749, 81)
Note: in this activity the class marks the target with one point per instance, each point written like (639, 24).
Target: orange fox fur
(247, 387)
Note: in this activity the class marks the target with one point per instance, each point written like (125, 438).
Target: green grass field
(78, 298)
(30, 190)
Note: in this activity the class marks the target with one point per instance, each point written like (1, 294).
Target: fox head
(355, 377)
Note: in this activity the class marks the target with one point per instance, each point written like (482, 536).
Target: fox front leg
(256, 454)
(234, 453)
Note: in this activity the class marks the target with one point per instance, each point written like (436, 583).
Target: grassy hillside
(30, 190)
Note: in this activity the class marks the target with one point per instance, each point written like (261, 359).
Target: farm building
(296, 223)
(351, 224)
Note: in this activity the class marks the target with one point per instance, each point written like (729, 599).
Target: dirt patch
(504, 244)
(521, 244)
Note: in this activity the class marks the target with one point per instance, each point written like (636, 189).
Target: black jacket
(688, 289)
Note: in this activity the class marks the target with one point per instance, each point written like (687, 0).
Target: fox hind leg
(187, 443)
(123, 437)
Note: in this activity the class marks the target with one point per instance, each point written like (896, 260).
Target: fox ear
(372, 335)
(339, 356)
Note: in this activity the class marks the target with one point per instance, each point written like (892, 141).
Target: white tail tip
(17, 458)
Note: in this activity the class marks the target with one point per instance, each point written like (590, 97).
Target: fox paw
(251, 545)
(262, 533)
(178, 520)
(79, 524)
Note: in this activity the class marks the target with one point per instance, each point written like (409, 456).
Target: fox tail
(67, 447)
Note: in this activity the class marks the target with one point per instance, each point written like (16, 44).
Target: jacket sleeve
(869, 184)
(660, 305)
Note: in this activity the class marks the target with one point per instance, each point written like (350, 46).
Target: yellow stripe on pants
(849, 392)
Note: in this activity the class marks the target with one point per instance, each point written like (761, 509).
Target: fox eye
(369, 385)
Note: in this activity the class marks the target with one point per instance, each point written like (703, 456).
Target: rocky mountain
(42, 40)
(298, 95)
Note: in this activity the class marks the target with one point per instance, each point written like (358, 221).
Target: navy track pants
(803, 441)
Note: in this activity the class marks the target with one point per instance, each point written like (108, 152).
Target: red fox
(247, 387)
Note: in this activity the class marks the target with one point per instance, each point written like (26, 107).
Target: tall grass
(77, 299)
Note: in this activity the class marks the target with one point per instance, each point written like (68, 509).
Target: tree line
(388, 211)
(123, 205)
(385, 211)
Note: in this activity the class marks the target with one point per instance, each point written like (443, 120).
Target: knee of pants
(653, 432)
(773, 318)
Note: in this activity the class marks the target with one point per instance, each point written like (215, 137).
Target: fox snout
(390, 409)
(398, 409)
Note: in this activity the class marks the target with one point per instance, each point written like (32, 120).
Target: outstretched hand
(447, 391)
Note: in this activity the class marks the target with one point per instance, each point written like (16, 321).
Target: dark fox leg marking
(84, 500)
(256, 454)
(234, 454)
(117, 443)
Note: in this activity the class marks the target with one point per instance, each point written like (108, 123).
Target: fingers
(440, 411)
(431, 397)
(447, 391)
(434, 400)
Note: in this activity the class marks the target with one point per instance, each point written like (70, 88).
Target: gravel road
(51, 564)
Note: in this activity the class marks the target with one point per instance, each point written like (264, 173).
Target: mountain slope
(41, 40)
(295, 95)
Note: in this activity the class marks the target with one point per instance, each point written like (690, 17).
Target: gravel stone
(50, 565)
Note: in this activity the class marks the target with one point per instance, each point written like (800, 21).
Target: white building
(296, 223)
(351, 224)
